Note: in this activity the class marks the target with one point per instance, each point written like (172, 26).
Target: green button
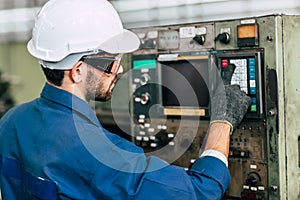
(253, 108)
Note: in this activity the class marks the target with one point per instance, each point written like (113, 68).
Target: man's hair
(54, 76)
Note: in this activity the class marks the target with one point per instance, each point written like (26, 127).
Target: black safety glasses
(110, 64)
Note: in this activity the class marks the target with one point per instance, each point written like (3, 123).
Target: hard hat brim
(122, 43)
(125, 42)
(66, 63)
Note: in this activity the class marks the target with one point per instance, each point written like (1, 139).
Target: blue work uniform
(54, 147)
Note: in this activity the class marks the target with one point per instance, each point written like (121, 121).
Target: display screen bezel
(183, 66)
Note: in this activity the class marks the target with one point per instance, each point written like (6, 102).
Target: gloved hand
(228, 103)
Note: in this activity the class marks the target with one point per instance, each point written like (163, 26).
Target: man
(55, 148)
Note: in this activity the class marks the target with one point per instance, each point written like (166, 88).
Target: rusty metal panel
(291, 30)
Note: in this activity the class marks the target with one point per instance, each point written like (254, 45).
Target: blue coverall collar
(69, 100)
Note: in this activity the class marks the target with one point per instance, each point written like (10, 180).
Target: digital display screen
(141, 64)
(184, 83)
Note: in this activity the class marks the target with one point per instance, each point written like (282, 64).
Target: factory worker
(54, 147)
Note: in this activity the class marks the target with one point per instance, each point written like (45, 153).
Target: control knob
(200, 39)
(145, 98)
(252, 180)
(145, 78)
(223, 37)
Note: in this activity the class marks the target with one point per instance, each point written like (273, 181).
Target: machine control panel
(248, 74)
(174, 130)
(183, 134)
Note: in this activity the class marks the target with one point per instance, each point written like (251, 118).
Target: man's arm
(228, 106)
(218, 138)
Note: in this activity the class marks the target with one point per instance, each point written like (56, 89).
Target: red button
(224, 63)
(251, 196)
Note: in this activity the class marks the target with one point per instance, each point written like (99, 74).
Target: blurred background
(17, 19)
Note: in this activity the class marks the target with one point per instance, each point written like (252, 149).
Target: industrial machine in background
(6, 98)
(170, 80)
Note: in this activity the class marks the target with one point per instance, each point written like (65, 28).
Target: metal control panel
(264, 159)
(174, 130)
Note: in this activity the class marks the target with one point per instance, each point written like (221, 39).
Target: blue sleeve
(127, 173)
(208, 179)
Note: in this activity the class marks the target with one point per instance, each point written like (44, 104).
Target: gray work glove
(228, 103)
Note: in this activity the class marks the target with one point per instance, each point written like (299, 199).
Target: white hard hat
(65, 27)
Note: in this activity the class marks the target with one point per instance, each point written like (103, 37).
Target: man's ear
(77, 72)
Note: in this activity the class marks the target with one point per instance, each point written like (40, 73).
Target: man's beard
(100, 95)
(96, 90)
